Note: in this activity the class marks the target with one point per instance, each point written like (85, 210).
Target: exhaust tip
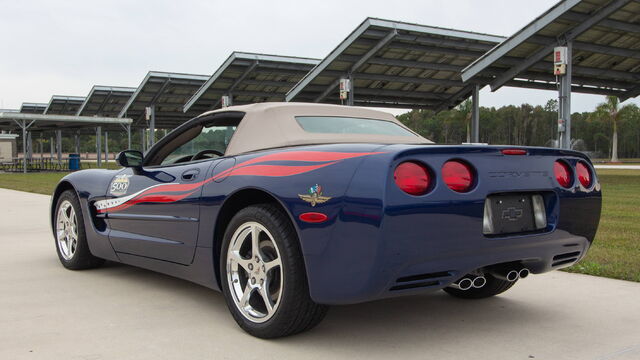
(479, 282)
(512, 275)
(523, 273)
(465, 284)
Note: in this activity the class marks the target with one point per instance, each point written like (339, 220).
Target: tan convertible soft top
(273, 125)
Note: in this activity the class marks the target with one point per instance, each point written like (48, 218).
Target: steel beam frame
(246, 73)
(359, 62)
(564, 38)
(24, 126)
(608, 23)
(594, 48)
(409, 80)
(631, 93)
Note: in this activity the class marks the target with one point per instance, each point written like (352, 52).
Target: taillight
(584, 174)
(562, 173)
(412, 178)
(457, 175)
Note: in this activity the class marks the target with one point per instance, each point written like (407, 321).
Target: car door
(160, 216)
(154, 210)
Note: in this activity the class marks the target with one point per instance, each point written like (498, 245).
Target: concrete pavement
(618, 167)
(121, 312)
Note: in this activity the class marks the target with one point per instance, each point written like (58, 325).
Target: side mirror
(130, 158)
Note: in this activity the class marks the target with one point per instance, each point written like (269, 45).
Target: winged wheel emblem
(314, 196)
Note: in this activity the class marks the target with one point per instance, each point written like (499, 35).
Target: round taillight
(563, 173)
(457, 175)
(412, 178)
(584, 174)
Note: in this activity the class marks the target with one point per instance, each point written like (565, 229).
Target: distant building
(8, 147)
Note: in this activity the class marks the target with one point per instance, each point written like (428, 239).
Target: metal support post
(350, 98)
(41, 144)
(29, 146)
(152, 126)
(564, 103)
(23, 125)
(106, 147)
(99, 145)
(143, 139)
(59, 145)
(51, 147)
(77, 142)
(475, 114)
(128, 136)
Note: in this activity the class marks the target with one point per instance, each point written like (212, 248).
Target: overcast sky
(65, 47)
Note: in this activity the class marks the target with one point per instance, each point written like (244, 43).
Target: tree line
(595, 132)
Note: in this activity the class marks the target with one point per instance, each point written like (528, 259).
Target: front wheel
(263, 275)
(70, 237)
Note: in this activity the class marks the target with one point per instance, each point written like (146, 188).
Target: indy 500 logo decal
(119, 185)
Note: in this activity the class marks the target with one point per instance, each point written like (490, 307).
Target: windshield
(214, 138)
(349, 125)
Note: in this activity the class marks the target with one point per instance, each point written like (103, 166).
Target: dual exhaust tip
(512, 275)
(467, 283)
(478, 282)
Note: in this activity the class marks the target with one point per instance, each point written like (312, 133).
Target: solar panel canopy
(250, 78)
(64, 105)
(105, 101)
(46, 122)
(33, 108)
(166, 93)
(396, 64)
(606, 50)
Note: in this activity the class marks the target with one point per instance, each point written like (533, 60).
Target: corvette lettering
(517, 174)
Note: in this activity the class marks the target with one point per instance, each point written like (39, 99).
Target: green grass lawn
(615, 252)
(40, 182)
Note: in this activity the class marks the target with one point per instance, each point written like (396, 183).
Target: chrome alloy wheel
(67, 230)
(254, 272)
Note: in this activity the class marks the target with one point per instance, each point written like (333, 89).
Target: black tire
(493, 287)
(296, 312)
(81, 258)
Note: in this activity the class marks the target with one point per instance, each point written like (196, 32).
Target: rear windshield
(349, 125)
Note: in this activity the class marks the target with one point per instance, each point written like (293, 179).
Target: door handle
(190, 174)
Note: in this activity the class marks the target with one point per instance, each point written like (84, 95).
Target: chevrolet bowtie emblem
(315, 196)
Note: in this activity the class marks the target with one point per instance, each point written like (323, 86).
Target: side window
(212, 138)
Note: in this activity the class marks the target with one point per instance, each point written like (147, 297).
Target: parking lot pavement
(618, 167)
(121, 312)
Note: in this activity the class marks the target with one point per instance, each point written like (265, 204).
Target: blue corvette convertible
(287, 208)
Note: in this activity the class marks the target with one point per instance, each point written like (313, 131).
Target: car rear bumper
(386, 272)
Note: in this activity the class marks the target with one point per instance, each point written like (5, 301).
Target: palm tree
(610, 110)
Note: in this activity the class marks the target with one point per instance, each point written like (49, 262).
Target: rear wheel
(263, 275)
(492, 287)
(70, 237)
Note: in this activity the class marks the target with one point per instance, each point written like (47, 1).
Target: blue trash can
(74, 162)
